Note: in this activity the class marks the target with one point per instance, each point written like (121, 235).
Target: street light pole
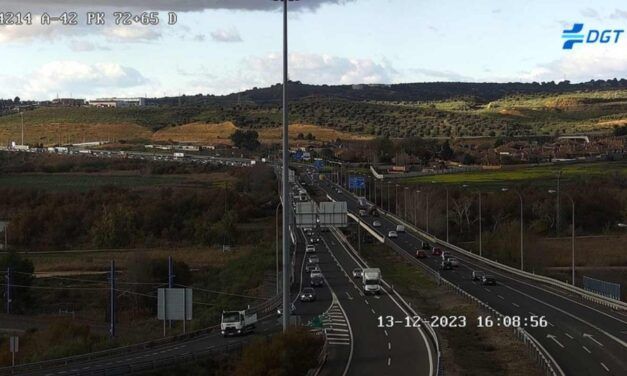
(522, 260)
(480, 218)
(428, 212)
(286, 197)
(389, 183)
(416, 207)
(278, 289)
(396, 200)
(405, 202)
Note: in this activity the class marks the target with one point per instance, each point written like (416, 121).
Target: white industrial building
(118, 102)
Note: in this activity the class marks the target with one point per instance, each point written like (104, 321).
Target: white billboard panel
(174, 304)
(333, 214)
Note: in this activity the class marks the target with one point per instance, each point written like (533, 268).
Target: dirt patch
(197, 132)
(61, 133)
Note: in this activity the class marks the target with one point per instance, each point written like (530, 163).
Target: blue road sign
(356, 182)
(319, 164)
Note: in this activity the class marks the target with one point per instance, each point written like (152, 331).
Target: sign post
(14, 346)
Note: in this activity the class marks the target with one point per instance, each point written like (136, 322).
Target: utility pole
(557, 202)
(112, 300)
(170, 279)
(8, 290)
(22, 116)
(286, 197)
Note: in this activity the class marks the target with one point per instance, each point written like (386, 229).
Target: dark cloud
(166, 5)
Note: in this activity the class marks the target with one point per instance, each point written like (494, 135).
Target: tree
(115, 228)
(16, 100)
(245, 139)
(446, 153)
(21, 275)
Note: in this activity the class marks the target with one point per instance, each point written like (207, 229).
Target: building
(118, 102)
(67, 102)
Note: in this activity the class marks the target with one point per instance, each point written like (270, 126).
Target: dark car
(488, 280)
(308, 295)
(436, 251)
(310, 267)
(426, 246)
(477, 275)
(446, 265)
(316, 281)
(421, 254)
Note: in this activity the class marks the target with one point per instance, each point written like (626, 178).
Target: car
(310, 267)
(488, 280)
(362, 213)
(436, 251)
(357, 273)
(392, 234)
(477, 275)
(376, 224)
(308, 295)
(316, 281)
(453, 261)
(316, 273)
(425, 246)
(400, 228)
(313, 259)
(310, 248)
(446, 265)
(421, 254)
(314, 239)
(445, 255)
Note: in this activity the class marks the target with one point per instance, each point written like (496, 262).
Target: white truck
(237, 322)
(179, 155)
(363, 203)
(371, 279)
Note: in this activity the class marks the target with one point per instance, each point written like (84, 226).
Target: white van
(400, 228)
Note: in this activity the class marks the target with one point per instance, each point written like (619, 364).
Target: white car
(392, 234)
(310, 248)
(315, 273)
(445, 255)
(357, 273)
(453, 261)
(376, 224)
(313, 259)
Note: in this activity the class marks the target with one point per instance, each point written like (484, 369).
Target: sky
(224, 46)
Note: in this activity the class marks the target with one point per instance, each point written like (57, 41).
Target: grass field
(197, 132)
(535, 175)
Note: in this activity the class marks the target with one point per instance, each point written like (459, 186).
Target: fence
(597, 286)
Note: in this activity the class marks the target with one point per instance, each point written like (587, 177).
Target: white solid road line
(605, 367)
(515, 305)
(585, 335)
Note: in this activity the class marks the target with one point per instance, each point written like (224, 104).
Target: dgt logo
(575, 35)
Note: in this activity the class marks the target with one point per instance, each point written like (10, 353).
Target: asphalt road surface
(584, 338)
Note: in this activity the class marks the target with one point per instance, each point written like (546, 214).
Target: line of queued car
(448, 263)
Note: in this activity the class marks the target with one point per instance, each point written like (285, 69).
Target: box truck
(371, 279)
(237, 322)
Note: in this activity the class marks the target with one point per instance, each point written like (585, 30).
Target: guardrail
(264, 307)
(433, 338)
(599, 299)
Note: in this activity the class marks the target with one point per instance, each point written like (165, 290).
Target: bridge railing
(588, 295)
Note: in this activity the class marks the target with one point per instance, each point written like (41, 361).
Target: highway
(584, 338)
(357, 345)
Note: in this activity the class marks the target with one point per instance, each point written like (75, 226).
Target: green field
(82, 182)
(536, 175)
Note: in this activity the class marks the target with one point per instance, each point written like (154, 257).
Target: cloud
(321, 69)
(222, 35)
(618, 14)
(582, 64)
(440, 75)
(79, 79)
(589, 12)
(85, 46)
(199, 38)
(132, 33)
(169, 5)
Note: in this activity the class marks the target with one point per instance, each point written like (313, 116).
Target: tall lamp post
(480, 218)
(416, 207)
(389, 183)
(572, 234)
(396, 200)
(285, 173)
(405, 201)
(522, 228)
(22, 117)
(427, 211)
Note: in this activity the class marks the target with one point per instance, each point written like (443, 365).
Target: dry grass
(197, 132)
(50, 134)
(89, 262)
(589, 251)
(269, 135)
